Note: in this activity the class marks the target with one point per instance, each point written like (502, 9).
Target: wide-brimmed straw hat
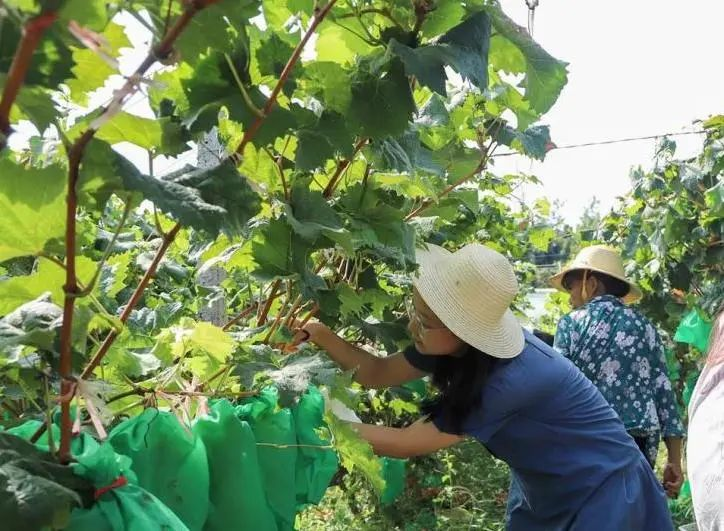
(602, 259)
(470, 291)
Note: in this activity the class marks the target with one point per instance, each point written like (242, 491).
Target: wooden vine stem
(32, 34)
(341, 167)
(75, 158)
(472, 173)
(319, 15)
(111, 337)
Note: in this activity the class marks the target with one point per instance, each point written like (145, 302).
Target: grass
(458, 488)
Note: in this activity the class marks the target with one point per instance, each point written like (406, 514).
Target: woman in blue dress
(573, 465)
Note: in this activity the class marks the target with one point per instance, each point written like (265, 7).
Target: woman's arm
(420, 438)
(371, 371)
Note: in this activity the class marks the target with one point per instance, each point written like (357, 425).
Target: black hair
(547, 338)
(612, 286)
(460, 380)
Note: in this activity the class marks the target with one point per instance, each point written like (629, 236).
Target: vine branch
(244, 313)
(32, 34)
(319, 16)
(341, 167)
(113, 334)
(472, 173)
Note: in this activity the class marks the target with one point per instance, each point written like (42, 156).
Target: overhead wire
(606, 142)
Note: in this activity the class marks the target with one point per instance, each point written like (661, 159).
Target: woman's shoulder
(537, 368)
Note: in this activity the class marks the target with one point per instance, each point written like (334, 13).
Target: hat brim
(497, 336)
(634, 294)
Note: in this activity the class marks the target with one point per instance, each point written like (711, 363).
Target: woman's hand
(312, 331)
(673, 479)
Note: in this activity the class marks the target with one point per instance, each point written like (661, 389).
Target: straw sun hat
(603, 260)
(470, 291)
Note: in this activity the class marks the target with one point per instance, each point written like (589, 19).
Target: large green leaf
(446, 15)
(91, 70)
(341, 44)
(464, 48)
(715, 200)
(48, 277)
(405, 154)
(32, 202)
(355, 452)
(533, 142)
(377, 224)
(309, 214)
(224, 187)
(381, 102)
(52, 60)
(161, 135)
(330, 83)
(279, 252)
(89, 13)
(36, 491)
(214, 200)
(213, 86)
(545, 76)
(217, 27)
(323, 139)
(34, 104)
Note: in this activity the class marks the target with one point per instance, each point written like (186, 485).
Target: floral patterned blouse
(619, 350)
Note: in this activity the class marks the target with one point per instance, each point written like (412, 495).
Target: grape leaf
(714, 198)
(541, 238)
(533, 142)
(89, 13)
(37, 492)
(113, 276)
(279, 252)
(224, 187)
(162, 135)
(405, 154)
(381, 103)
(545, 76)
(330, 83)
(212, 340)
(341, 44)
(91, 70)
(217, 26)
(447, 14)
(355, 452)
(34, 104)
(309, 214)
(322, 140)
(32, 201)
(464, 48)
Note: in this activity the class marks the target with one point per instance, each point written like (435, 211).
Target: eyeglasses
(415, 319)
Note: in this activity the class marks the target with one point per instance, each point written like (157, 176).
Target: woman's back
(566, 447)
(705, 448)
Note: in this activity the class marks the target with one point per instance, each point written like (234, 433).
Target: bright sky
(637, 68)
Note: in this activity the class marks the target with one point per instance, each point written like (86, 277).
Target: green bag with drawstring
(276, 449)
(237, 498)
(393, 471)
(317, 462)
(121, 504)
(168, 461)
(695, 330)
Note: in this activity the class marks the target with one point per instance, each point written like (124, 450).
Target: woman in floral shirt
(619, 350)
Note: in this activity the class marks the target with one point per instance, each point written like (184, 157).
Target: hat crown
(599, 257)
(483, 275)
(470, 291)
